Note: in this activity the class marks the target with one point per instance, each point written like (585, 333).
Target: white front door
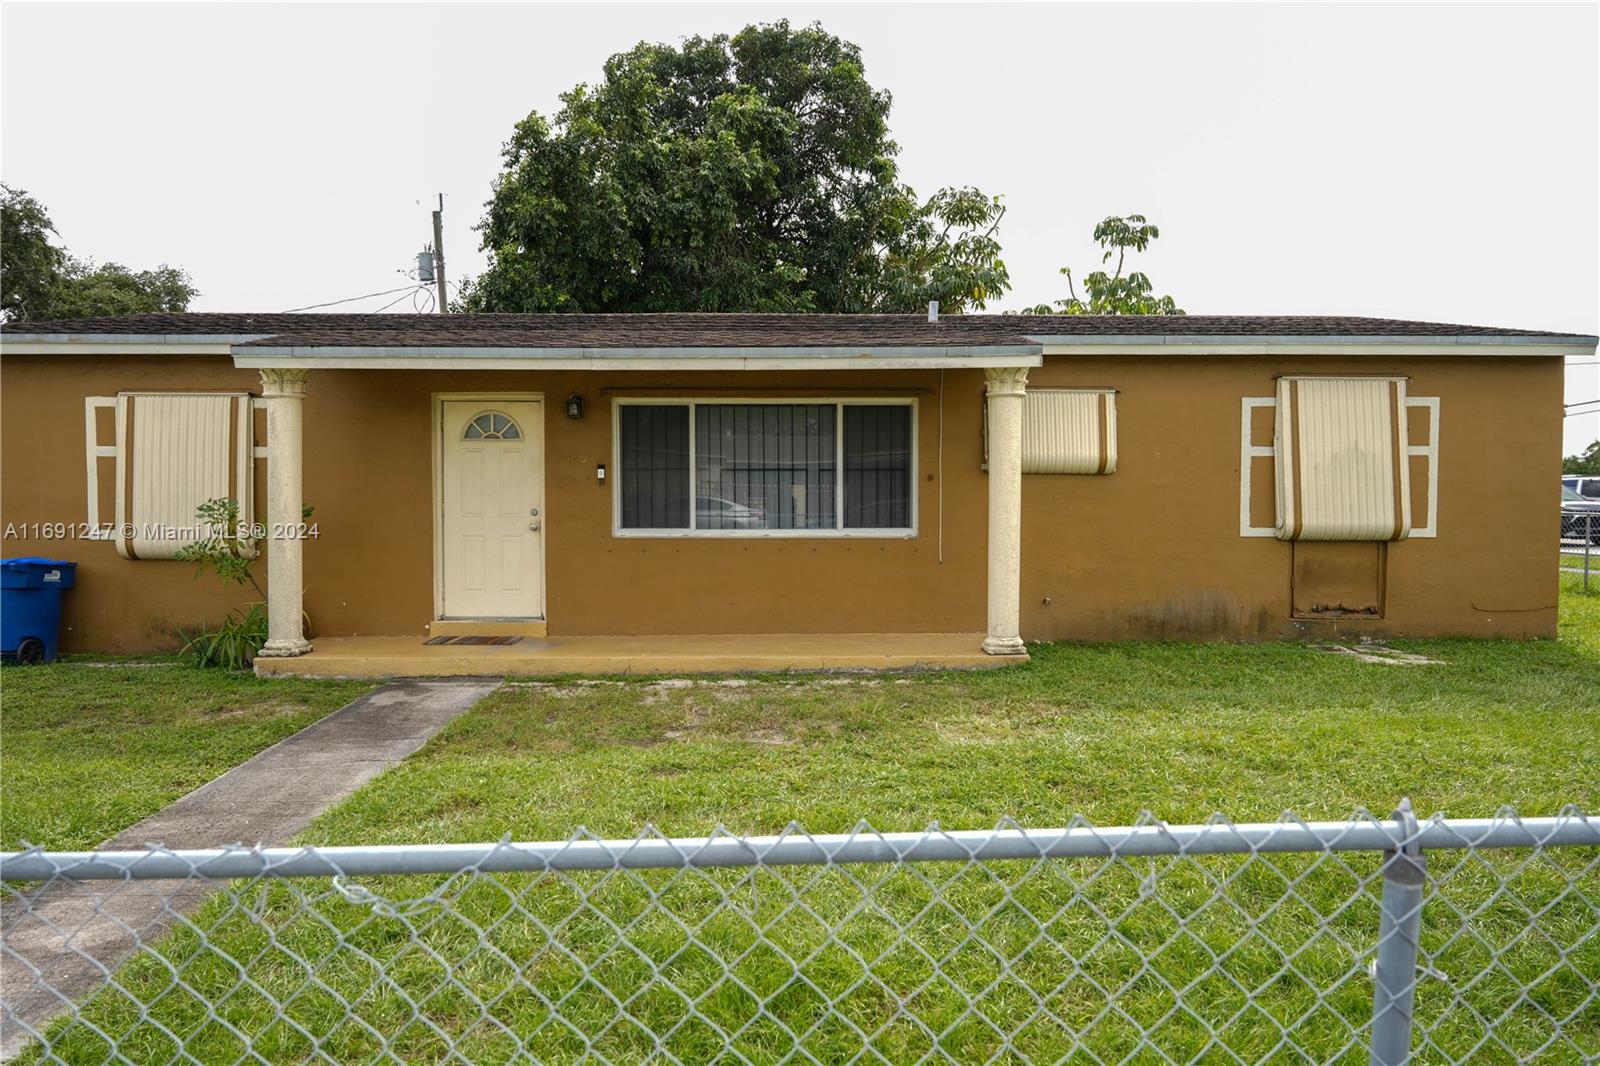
(492, 508)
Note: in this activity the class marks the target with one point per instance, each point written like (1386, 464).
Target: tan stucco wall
(1152, 550)
(118, 605)
(600, 584)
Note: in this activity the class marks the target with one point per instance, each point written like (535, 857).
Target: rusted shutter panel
(1069, 431)
(1337, 580)
(176, 451)
(1342, 470)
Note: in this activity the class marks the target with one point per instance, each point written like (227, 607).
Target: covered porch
(528, 656)
(623, 599)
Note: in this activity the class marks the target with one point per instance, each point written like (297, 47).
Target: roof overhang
(112, 344)
(247, 351)
(1343, 344)
(720, 358)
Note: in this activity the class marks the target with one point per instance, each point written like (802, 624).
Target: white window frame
(1429, 451)
(838, 532)
(93, 452)
(1249, 451)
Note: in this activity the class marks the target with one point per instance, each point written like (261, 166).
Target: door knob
(534, 526)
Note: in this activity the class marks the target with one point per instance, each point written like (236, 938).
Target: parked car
(1580, 515)
(1585, 485)
(718, 513)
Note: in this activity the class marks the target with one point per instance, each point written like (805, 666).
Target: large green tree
(40, 280)
(1114, 293)
(29, 260)
(744, 173)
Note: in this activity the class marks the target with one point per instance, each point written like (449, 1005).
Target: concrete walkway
(75, 935)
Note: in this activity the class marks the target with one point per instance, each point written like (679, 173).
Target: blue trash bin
(30, 607)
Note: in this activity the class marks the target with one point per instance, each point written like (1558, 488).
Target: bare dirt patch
(1378, 652)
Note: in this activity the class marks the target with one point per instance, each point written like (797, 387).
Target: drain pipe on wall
(941, 461)
(933, 317)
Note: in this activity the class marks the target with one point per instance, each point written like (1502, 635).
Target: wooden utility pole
(438, 256)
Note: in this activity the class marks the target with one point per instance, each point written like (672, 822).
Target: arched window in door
(492, 425)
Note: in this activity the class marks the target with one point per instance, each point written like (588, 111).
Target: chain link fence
(1371, 938)
(1580, 546)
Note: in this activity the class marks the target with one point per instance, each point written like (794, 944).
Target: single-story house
(1012, 478)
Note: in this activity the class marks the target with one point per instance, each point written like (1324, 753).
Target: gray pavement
(60, 943)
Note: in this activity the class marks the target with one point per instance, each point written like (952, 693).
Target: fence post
(1394, 984)
(1588, 539)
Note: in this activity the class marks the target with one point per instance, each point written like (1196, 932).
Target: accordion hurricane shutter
(176, 451)
(1069, 431)
(1342, 469)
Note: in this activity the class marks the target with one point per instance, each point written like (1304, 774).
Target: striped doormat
(473, 640)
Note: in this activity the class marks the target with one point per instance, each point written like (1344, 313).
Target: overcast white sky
(1433, 161)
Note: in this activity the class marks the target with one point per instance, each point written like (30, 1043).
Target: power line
(394, 301)
(352, 299)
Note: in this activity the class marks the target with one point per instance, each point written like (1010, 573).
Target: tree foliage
(950, 252)
(1585, 462)
(744, 173)
(40, 280)
(1114, 293)
(29, 259)
(84, 289)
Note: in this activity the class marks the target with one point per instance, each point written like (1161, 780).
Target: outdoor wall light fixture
(574, 406)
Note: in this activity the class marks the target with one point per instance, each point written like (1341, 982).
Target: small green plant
(232, 645)
(228, 548)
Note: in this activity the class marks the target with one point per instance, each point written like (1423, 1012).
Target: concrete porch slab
(549, 656)
(487, 627)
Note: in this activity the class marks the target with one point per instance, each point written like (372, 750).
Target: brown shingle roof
(731, 330)
(1256, 326)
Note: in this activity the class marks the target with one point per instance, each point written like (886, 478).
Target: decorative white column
(284, 392)
(1007, 386)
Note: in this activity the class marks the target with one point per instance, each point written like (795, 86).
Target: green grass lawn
(1579, 626)
(89, 748)
(1571, 560)
(1107, 731)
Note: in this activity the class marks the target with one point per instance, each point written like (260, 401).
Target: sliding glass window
(760, 467)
